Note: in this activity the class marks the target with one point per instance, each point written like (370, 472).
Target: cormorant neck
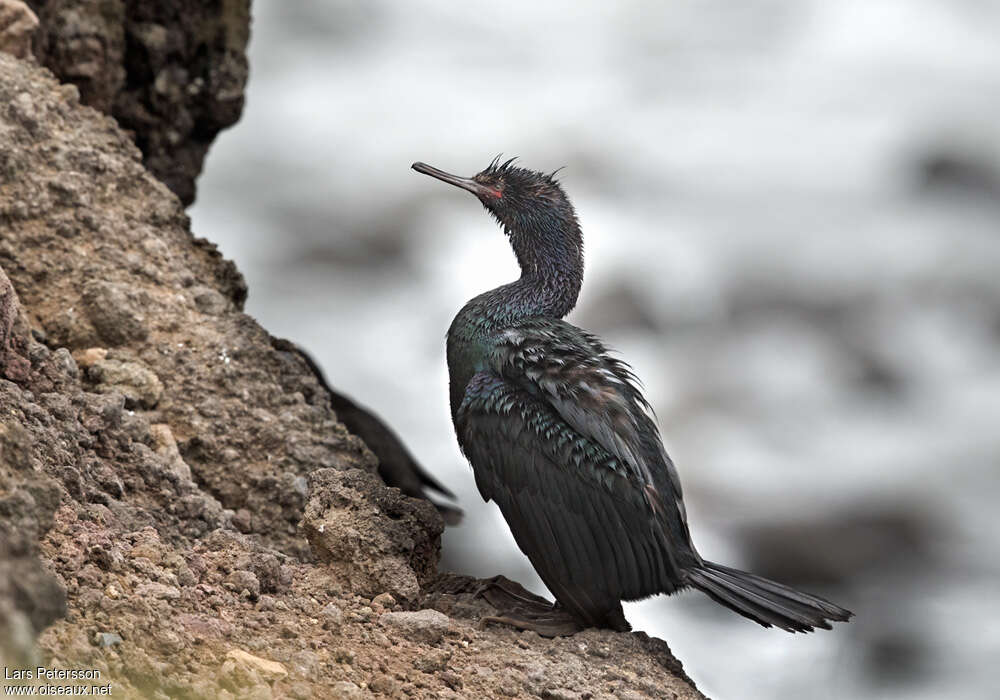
(551, 274)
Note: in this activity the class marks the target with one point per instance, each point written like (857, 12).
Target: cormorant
(560, 437)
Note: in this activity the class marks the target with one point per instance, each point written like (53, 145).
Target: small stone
(64, 360)
(136, 382)
(157, 590)
(166, 447)
(452, 680)
(268, 670)
(602, 651)
(91, 356)
(383, 684)
(509, 687)
(300, 690)
(240, 581)
(148, 549)
(427, 626)
(107, 558)
(242, 520)
(304, 663)
(106, 639)
(343, 656)
(116, 312)
(561, 694)
(209, 301)
(332, 616)
(346, 690)
(433, 661)
(383, 601)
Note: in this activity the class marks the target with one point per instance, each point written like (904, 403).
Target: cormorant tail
(764, 601)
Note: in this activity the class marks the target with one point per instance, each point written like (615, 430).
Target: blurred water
(792, 218)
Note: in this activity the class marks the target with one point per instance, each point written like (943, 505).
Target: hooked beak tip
(466, 183)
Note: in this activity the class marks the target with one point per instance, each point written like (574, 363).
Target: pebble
(435, 660)
(427, 626)
(268, 670)
(240, 581)
(106, 639)
(346, 690)
(385, 601)
(343, 655)
(332, 617)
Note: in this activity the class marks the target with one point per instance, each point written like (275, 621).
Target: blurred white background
(792, 217)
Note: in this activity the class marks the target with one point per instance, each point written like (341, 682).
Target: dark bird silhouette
(560, 437)
(396, 465)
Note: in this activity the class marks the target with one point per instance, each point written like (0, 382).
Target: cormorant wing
(571, 505)
(597, 395)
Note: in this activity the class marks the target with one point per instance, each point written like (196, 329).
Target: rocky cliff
(179, 507)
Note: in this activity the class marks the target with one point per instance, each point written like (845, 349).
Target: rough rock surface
(14, 363)
(162, 465)
(17, 27)
(172, 72)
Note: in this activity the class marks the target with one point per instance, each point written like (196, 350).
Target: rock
(240, 581)
(107, 639)
(116, 311)
(136, 382)
(332, 617)
(343, 655)
(561, 694)
(64, 359)
(346, 690)
(304, 663)
(452, 680)
(383, 685)
(166, 447)
(269, 670)
(17, 27)
(403, 532)
(170, 72)
(157, 591)
(91, 356)
(383, 601)
(427, 626)
(433, 661)
(14, 363)
(209, 301)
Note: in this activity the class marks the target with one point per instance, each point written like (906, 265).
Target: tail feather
(764, 601)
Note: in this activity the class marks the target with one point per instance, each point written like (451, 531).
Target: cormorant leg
(521, 609)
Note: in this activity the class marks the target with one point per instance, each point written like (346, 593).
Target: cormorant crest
(522, 199)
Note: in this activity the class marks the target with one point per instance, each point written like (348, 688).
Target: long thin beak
(466, 183)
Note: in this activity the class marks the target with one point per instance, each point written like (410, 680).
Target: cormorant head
(530, 205)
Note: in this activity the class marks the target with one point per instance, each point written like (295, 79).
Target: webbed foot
(523, 610)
